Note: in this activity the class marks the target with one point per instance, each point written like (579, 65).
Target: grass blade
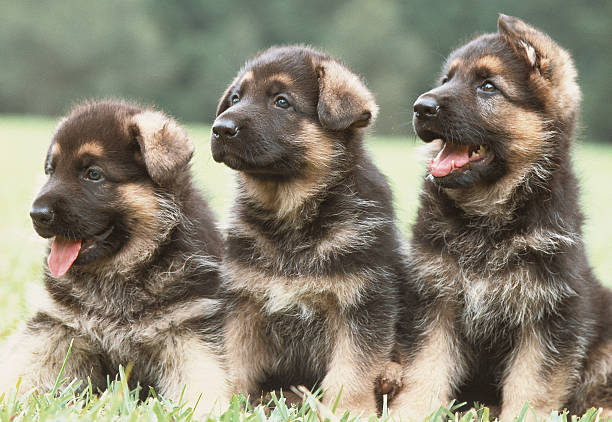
(58, 380)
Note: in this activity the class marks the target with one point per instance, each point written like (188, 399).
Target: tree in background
(180, 55)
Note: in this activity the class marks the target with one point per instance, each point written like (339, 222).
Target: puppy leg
(246, 353)
(595, 388)
(191, 365)
(37, 352)
(353, 376)
(429, 376)
(526, 382)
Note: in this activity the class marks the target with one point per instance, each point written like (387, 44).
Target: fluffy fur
(511, 310)
(312, 256)
(143, 288)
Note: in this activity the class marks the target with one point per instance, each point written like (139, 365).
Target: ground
(23, 145)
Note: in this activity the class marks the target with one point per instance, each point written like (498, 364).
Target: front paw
(390, 382)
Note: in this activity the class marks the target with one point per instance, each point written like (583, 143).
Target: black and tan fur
(312, 255)
(143, 288)
(513, 312)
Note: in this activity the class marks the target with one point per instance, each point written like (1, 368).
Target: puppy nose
(225, 129)
(42, 215)
(426, 107)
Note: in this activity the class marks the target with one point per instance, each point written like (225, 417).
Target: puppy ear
(164, 145)
(522, 38)
(344, 100)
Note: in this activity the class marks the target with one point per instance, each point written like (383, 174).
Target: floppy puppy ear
(164, 145)
(522, 37)
(344, 100)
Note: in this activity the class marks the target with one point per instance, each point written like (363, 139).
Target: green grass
(119, 403)
(24, 142)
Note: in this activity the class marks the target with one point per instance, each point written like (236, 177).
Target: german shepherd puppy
(513, 312)
(132, 270)
(312, 253)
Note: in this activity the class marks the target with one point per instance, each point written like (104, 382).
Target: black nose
(426, 107)
(225, 129)
(42, 215)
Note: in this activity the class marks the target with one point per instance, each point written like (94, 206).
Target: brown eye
(444, 80)
(94, 174)
(281, 102)
(487, 86)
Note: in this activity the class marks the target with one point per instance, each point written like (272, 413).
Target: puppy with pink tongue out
(132, 268)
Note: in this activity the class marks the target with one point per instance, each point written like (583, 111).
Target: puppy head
(108, 166)
(289, 109)
(498, 109)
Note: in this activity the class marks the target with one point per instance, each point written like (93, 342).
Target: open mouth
(64, 252)
(457, 158)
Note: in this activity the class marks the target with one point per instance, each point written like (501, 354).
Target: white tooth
(453, 165)
(439, 154)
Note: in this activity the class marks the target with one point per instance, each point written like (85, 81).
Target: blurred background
(180, 55)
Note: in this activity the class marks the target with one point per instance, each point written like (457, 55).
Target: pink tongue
(443, 163)
(63, 254)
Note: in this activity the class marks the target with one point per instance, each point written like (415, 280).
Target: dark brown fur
(512, 312)
(145, 292)
(312, 253)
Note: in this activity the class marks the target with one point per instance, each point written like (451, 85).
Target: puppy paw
(390, 382)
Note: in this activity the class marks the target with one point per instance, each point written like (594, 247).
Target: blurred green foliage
(181, 54)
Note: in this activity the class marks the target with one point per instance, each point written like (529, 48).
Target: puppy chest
(495, 303)
(490, 297)
(305, 293)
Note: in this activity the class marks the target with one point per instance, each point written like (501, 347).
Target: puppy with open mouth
(312, 257)
(132, 268)
(512, 311)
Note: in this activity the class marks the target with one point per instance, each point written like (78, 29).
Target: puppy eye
(49, 171)
(94, 174)
(281, 102)
(487, 86)
(235, 98)
(444, 80)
